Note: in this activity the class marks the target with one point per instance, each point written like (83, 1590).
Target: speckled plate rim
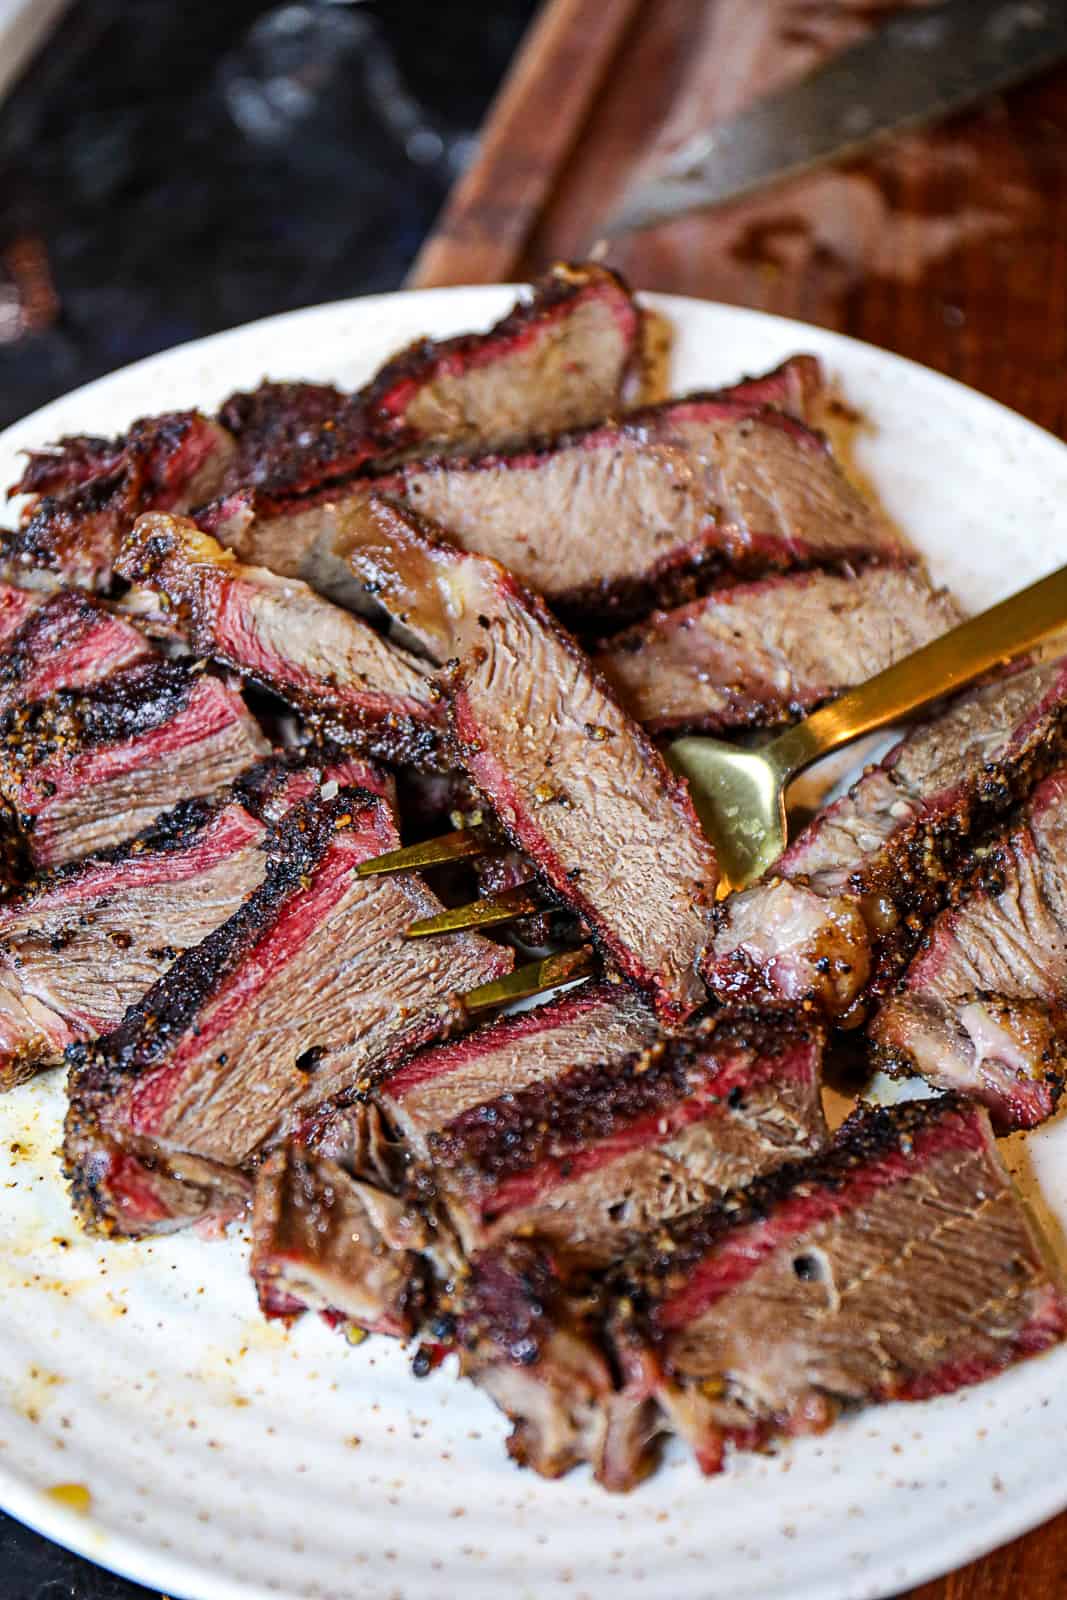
(714, 344)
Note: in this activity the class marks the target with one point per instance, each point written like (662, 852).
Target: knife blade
(914, 69)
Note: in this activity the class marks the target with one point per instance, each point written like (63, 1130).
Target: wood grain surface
(948, 246)
(531, 131)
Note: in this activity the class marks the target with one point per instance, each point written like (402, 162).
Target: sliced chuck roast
(580, 1123)
(836, 918)
(577, 786)
(77, 951)
(981, 1009)
(561, 358)
(333, 668)
(899, 1266)
(89, 492)
(760, 653)
(16, 607)
(280, 531)
(566, 356)
(62, 641)
(81, 945)
(604, 522)
(306, 995)
(84, 770)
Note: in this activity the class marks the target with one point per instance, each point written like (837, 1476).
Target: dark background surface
(168, 169)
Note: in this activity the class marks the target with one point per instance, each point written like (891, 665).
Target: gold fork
(739, 795)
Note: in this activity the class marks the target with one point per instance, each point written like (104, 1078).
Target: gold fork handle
(965, 652)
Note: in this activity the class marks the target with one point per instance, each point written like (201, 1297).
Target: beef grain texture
(563, 358)
(344, 678)
(981, 1008)
(79, 948)
(559, 359)
(756, 654)
(836, 918)
(301, 999)
(898, 1266)
(87, 769)
(581, 1124)
(576, 785)
(327, 1241)
(604, 522)
(62, 641)
(83, 943)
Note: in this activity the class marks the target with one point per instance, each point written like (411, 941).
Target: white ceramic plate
(226, 1458)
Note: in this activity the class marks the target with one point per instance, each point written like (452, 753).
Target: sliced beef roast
(982, 1007)
(603, 522)
(760, 653)
(333, 668)
(302, 998)
(561, 358)
(314, 536)
(84, 770)
(576, 785)
(841, 911)
(81, 945)
(67, 641)
(90, 492)
(324, 1239)
(580, 1123)
(80, 948)
(899, 1266)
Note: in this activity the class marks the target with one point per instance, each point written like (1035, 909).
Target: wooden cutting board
(948, 246)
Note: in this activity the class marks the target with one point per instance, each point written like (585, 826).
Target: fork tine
(502, 907)
(531, 979)
(430, 853)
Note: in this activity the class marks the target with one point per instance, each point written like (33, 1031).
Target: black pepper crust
(128, 704)
(285, 430)
(295, 847)
(92, 483)
(175, 830)
(147, 446)
(919, 869)
(72, 459)
(57, 522)
(517, 1131)
(259, 785)
(869, 1134)
(171, 831)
